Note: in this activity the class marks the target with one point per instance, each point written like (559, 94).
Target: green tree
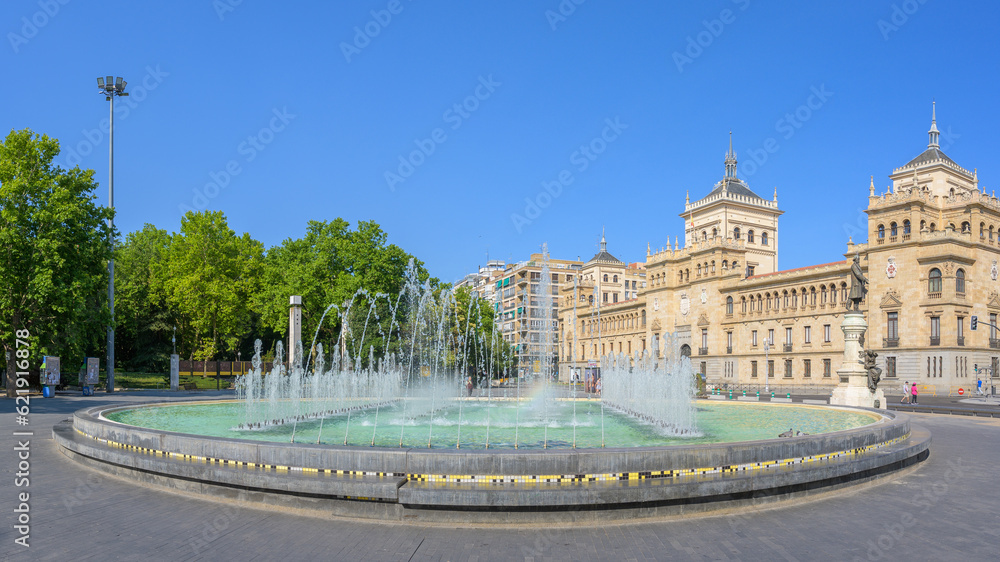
(54, 246)
(207, 280)
(329, 265)
(144, 323)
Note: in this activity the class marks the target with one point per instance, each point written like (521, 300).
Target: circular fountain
(396, 435)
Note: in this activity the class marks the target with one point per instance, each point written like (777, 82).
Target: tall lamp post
(111, 87)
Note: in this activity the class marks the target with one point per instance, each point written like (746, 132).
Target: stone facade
(931, 258)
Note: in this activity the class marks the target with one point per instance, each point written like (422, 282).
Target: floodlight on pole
(111, 87)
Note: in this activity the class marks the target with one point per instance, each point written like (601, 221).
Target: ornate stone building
(931, 257)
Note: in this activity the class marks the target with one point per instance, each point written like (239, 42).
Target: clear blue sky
(204, 80)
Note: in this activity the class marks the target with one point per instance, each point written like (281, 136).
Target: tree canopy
(55, 242)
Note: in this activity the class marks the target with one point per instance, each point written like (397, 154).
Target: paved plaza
(947, 508)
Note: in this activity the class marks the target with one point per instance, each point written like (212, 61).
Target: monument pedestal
(853, 387)
(175, 371)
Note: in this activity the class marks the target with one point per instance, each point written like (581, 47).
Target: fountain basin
(495, 485)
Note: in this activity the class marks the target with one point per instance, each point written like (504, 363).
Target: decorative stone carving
(993, 271)
(890, 268)
(891, 299)
(685, 304)
(704, 296)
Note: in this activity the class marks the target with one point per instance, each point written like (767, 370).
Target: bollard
(730, 394)
(758, 394)
(788, 396)
(772, 394)
(744, 393)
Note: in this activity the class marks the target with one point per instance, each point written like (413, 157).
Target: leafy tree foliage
(55, 242)
(144, 322)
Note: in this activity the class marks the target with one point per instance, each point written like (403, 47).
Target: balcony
(890, 342)
(935, 340)
(788, 348)
(961, 340)
(702, 351)
(994, 343)
(729, 349)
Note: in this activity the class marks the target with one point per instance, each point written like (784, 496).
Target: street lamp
(111, 87)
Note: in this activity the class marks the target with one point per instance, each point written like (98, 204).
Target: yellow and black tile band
(513, 479)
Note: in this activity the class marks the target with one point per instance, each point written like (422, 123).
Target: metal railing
(935, 340)
(702, 351)
(890, 342)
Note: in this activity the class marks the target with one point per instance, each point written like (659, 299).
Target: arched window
(643, 318)
(699, 270)
(743, 303)
(750, 236)
(715, 232)
(960, 281)
(966, 227)
(833, 294)
(923, 225)
(763, 238)
(785, 295)
(933, 227)
(906, 226)
(704, 235)
(812, 296)
(591, 300)
(934, 281)
(991, 233)
(605, 277)
(614, 279)
(822, 296)
(843, 292)
(713, 266)
(736, 233)
(795, 298)
(881, 231)
(729, 304)
(892, 229)
(725, 264)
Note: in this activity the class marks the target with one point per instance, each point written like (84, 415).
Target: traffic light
(975, 322)
(975, 368)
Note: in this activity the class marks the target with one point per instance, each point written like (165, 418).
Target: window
(906, 226)
(935, 330)
(763, 238)
(892, 229)
(806, 368)
(822, 296)
(826, 368)
(729, 341)
(715, 232)
(892, 327)
(704, 337)
(993, 331)
(615, 279)
(643, 318)
(750, 236)
(788, 368)
(753, 338)
(615, 297)
(808, 334)
(736, 233)
(788, 336)
(826, 333)
(890, 367)
(934, 281)
(770, 337)
(960, 281)
(812, 296)
(749, 271)
(881, 231)
(729, 305)
(770, 368)
(605, 297)
(753, 369)
(785, 295)
(605, 277)
(961, 331)
(704, 235)
(743, 303)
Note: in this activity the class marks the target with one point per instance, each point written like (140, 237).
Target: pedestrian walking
(906, 393)
(913, 393)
